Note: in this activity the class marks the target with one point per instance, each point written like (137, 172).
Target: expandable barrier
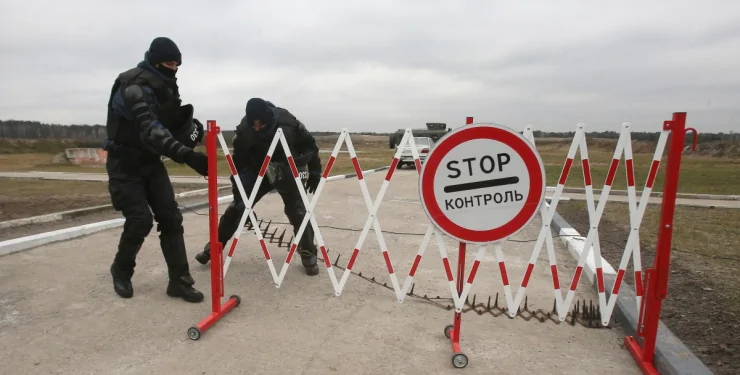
(650, 284)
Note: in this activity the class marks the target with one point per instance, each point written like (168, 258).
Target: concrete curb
(36, 240)
(671, 355)
(653, 194)
(82, 211)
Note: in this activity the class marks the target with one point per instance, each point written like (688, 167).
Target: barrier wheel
(460, 360)
(193, 333)
(238, 300)
(448, 330)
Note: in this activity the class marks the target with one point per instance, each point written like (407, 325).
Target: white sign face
(482, 183)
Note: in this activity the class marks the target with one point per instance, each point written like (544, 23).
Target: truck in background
(434, 130)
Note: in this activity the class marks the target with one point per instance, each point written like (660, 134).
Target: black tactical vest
(125, 132)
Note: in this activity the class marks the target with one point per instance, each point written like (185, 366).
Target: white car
(423, 146)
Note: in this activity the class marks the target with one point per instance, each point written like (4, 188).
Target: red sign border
(531, 158)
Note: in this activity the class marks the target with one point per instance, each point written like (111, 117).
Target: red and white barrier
(648, 294)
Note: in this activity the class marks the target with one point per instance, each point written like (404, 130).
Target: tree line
(34, 130)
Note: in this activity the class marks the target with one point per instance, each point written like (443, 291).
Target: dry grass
(704, 239)
(699, 174)
(24, 197)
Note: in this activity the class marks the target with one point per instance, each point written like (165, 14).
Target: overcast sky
(382, 65)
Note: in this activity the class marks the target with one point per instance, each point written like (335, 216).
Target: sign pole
(457, 319)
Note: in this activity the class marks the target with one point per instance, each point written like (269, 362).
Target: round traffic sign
(482, 183)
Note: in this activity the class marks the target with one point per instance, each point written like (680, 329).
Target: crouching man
(251, 143)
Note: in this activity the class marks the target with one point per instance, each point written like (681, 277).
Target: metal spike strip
(586, 317)
(583, 314)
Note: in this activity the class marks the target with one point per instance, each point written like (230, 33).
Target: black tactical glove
(313, 182)
(198, 161)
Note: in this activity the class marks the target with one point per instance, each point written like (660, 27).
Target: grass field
(371, 155)
(699, 173)
(24, 197)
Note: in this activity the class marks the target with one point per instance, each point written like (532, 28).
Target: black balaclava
(260, 109)
(163, 49)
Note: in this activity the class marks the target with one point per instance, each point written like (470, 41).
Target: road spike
(337, 261)
(280, 239)
(488, 304)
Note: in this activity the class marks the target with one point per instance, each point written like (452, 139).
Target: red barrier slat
(565, 172)
(329, 164)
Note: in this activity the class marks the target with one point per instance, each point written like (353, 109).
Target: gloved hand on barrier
(198, 162)
(312, 184)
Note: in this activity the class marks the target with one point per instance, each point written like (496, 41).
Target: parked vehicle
(423, 146)
(434, 130)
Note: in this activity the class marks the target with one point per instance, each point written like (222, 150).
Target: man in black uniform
(145, 122)
(251, 143)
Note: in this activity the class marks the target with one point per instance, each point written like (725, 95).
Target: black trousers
(133, 191)
(294, 209)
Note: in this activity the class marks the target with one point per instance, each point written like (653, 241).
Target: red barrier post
(656, 279)
(217, 261)
(459, 359)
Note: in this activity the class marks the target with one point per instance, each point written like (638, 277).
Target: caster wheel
(238, 300)
(448, 330)
(459, 360)
(193, 333)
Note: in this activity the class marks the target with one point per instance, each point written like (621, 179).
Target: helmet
(188, 131)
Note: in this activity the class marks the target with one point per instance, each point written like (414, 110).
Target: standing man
(251, 143)
(146, 122)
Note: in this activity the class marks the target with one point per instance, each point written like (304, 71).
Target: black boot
(123, 266)
(308, 258)
(181, 283)
(121, 282)
(183, 288)
(204, 256)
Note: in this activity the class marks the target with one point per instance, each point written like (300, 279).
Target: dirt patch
(703, 304)
(24, 197)
(27, 230)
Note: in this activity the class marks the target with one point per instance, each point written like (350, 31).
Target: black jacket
(250, 146)
(143, 106)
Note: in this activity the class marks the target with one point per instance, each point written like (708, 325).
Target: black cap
(259, 109)
(163, 49)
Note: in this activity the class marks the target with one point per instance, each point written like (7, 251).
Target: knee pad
(139, 225)
(295, 215)
(171, 224)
